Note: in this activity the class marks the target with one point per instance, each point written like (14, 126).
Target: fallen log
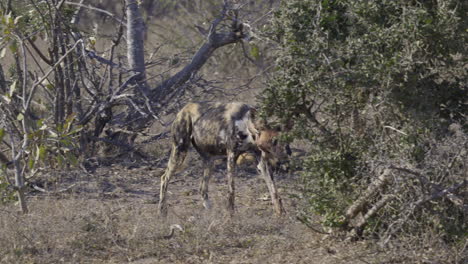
(359, 205)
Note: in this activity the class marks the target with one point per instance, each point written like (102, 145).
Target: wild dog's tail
(181, 135)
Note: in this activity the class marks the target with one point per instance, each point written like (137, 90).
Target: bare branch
(34, 86)
(362, 222)
(361, 202)
(214, 41)
(90, 7)
(396, 226)
(437, 188)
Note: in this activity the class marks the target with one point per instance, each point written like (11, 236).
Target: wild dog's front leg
(231, 167)
(267, 175)
(208, 163)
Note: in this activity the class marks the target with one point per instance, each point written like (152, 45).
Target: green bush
(374, 84)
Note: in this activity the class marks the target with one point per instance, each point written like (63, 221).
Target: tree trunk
(135, 45)
(160, 96)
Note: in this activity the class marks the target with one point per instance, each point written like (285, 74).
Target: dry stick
(96, 9)
(39, 52)
(172, 231)
(360, 203)
(37, 188)
(377, 206)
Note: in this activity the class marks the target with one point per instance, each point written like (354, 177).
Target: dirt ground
(110, 216)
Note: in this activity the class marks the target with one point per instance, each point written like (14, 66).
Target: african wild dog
(217, 129)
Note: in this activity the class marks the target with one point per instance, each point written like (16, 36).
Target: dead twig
(360, 203)
(305, 220)
(97, 10)
(437, 188)
(173, 228)
(37, 188)
(397, 225)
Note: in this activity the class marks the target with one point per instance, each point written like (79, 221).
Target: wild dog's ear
(258, 122)
(251, 124)
(252, 113)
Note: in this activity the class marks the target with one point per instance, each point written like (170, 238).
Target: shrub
(374, 85)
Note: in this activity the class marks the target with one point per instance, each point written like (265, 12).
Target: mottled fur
(217, 129)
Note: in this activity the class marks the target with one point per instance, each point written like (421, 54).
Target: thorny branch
(397, 225)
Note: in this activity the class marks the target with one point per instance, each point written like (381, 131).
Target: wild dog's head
(267, 139)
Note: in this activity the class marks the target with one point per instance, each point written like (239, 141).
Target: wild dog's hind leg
(178, 154)
(181, 131)
(208, 164)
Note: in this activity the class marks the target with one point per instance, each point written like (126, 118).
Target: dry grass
(110, 217)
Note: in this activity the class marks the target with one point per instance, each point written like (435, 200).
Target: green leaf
(72, 158)
(31, 164)
(60, 160)
(2, 134)
(41, 152)
(3, 185)
(428, 21)
(6, 18)
(10, 20)
(50, 86)
(254, 51)
(69, 121)
(20, 117)
(14, 47)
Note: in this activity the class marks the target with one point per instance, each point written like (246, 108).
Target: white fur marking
(222, 136)
(242, 125)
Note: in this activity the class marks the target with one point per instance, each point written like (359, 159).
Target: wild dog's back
(221, 127)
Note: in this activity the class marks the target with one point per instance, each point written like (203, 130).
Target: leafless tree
(64, 93)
